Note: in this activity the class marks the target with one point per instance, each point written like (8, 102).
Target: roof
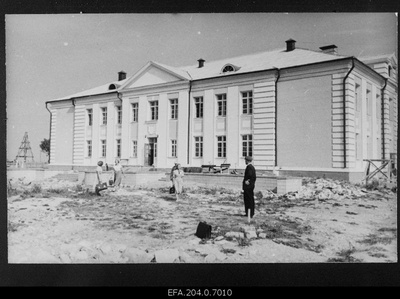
(244, 64)
(260, 61)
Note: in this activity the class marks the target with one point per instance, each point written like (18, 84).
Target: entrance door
(150, 151)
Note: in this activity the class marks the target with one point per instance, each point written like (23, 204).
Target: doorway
(150, 152)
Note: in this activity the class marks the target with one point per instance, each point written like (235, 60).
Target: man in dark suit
(248, 186)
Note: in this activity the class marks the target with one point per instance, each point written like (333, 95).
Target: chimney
(201, 62)
(290, 45)
(121, 75)
(331, 49)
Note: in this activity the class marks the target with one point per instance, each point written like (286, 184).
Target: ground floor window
(198, 145)
(89, 148)
(103, 147)
(173, 148)
(247, 145)
(118, 148)
(221, 146)
(134, 148)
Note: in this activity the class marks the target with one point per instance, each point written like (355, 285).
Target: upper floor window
(229, 68)
(90, 116)
(198, 101)
(119, 114)
(153, 110)
(174, 108)
(221, 102)
(104, 115)
(247, 102)
(135, 108)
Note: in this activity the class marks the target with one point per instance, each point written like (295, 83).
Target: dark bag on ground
(203, 230)
(101, 186)
(172, 190)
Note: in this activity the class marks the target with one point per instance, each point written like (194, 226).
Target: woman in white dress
(177, 178)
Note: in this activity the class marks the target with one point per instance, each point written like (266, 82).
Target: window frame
(134, 148)
(174, 148)
(89, 148)
(104, 115)
(198, 146)
(198, 104)
(103, 144)
(247, 145)
(89, 113)
(174, 108)
(153, 110)
(135, 112)
(118, 147)
(221, 104)
(119, 114)
(221, 146)
(247, 100)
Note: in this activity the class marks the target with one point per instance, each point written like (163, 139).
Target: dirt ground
(327, 221)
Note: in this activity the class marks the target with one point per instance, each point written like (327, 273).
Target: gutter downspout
(276, 116)
(51, 120)
(344, 114)
(188, 139)
(383, 119)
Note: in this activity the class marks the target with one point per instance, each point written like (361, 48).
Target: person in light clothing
(98, 180)
(177, 178)
(118, 171)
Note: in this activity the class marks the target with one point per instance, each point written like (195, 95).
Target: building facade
(301, 111)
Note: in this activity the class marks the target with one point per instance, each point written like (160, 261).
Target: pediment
(152, 74)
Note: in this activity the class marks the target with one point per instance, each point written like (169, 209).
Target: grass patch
(373, 239)
(228, 250)
(243, 242)
(345, 256)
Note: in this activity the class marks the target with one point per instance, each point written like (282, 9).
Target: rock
(135, 255)
(219, 238)
(105, 248)
(194, 241)
(185, 258)
(234, 235)
(80, 255)
(210, 258)
(262, 235)
(251, 235)
(84, 244)
(166, 255)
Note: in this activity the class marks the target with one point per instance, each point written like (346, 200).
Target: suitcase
(100, 187)
(203, 230)
(172, 190)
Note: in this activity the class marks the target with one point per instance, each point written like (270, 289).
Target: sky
(50, 56)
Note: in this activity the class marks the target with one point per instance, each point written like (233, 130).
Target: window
(118, 148)
(134, 148)
(221, 103)
(89, 148)
(174, 108)
(173, 148)
(104, 115)
(119, 115)
(247, 142)
(357, 98)
(221, 145)
(90, 116)
(228, 68)
(368, 102)
(103, 147)
(199, 106)
(154, 110)
(247, 102)
(135, 112)
(198, 145)
(389, 71)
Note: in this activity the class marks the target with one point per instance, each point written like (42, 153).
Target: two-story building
(307, 112)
